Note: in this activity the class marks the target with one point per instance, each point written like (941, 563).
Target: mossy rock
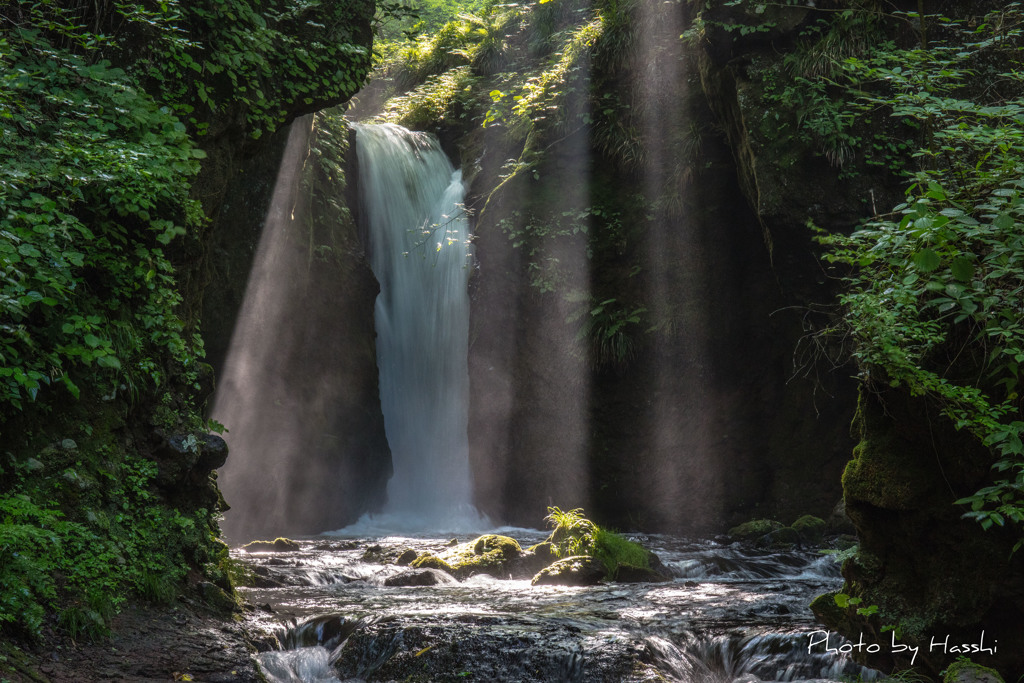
(508, 547)
(533, 559)
(420, 577)
(544, 551)
(375, 553)
(754, 529)
(407, 557)
(843, 620)
(580, 570)
(810, 528)
(429, 561)
(278, 545)
(489, 554)
(964, 671)
(825, 608)
(217, 598)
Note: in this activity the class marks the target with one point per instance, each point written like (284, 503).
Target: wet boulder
(753, 530)
(376, 553)
(428, 561)
(490, 554)
(532, 560)
(216, 597)
(406, 558)
(420, 577)
(580, 570)
(785, 538)
(810, 528)
(965, 671)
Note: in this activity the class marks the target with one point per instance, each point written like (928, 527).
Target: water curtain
(411, 199)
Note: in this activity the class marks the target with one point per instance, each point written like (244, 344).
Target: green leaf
(1004, 221)
(926, 260)
(109, 362)
(962, 268)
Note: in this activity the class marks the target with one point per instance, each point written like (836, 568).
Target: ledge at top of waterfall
(411, 199)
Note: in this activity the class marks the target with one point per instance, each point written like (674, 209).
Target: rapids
(731, 614)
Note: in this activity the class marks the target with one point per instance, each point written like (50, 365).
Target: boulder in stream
(580, 570)
(407, 557)
(810, 528)
(420, 577)
(428, 561)
(754, 529)
(489, 554)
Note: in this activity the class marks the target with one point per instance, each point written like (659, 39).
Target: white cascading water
(411, 200)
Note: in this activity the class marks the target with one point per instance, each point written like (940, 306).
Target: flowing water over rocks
(731, 614)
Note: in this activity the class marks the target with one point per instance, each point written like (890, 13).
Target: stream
(731, 614)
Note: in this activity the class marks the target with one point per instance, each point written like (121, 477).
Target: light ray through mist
(264, 447)
(680, 479)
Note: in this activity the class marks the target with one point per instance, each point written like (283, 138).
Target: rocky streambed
(344, 609)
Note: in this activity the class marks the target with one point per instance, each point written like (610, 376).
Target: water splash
(411, 199)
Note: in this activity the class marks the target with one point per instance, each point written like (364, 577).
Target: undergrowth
(103, 107)
(574, 535)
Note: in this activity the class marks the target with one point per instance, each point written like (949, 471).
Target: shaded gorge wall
(658, 389)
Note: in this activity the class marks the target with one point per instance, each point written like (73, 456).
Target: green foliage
(805, 90)
(408, 21)
(259, 58)
(613, 550)
(612, 327)
(934, 301)
(573, 534)
(97, 227)
(551, 98)
(437, 99)
(538, 236)
(95, 187)
(120, 542)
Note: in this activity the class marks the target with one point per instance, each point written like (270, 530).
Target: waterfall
(411, 199)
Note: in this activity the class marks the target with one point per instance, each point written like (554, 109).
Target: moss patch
(810, 528)
(278, 545)
(965, 671)
(489, 554)
(432, 562)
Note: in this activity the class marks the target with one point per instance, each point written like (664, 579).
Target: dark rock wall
(927, 569)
